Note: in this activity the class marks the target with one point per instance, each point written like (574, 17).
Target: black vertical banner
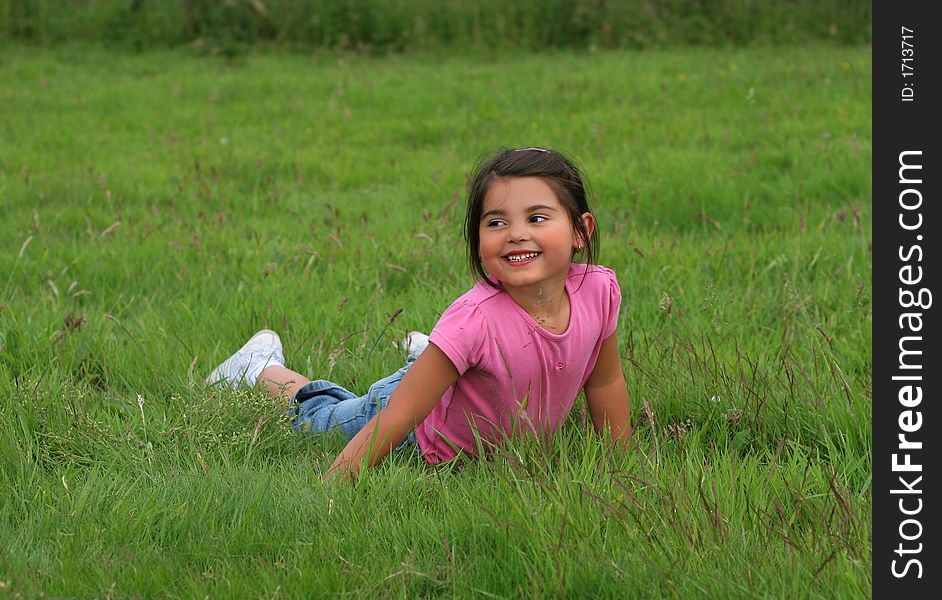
(907, 167)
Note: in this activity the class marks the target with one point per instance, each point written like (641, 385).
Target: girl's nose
(518, 234)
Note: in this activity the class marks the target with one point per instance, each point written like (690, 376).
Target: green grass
(173, 204)
(232, 27)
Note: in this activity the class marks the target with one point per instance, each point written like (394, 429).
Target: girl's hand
(335, 475)
(413, 399)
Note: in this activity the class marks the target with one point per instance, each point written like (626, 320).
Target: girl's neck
(546, 302)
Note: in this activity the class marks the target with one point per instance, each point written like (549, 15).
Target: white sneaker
(414, 342)
(262, 350)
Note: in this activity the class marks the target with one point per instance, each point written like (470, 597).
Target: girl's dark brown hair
(555, 169)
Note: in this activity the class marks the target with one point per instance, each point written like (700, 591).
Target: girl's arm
(607, 395)
(413, 399)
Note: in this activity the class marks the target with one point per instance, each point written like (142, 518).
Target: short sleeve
(460, 334)
(613, 293)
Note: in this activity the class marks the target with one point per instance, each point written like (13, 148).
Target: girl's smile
(520, 258)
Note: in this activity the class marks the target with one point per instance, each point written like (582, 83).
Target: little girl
(510, 355)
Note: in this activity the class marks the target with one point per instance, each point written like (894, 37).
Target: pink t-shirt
(503, 357)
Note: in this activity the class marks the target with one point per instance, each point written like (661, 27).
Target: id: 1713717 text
(907, 58)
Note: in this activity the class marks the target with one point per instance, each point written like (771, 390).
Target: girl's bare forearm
(610, 409)
(378, 438)
(421, 388)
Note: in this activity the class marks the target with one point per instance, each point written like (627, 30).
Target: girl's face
(526, 236)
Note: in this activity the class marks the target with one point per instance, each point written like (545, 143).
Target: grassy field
(232, 27)
(158, 208)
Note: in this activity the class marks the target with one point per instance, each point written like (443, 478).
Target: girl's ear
(588, 220)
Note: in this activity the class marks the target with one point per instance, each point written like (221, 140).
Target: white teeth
(520, 257)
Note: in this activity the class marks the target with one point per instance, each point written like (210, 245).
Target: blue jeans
(325, 406)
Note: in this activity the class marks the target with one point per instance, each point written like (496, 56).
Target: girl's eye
(495, 223)
(538, 218)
